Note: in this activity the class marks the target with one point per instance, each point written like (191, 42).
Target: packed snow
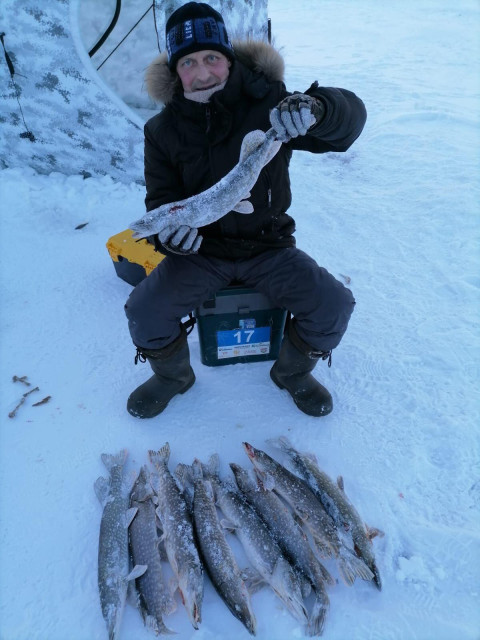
(396, 217)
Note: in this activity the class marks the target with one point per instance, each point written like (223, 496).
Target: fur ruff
(257, 55)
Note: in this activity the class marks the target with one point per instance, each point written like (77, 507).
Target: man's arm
(343, 118)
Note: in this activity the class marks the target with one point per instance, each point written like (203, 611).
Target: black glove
(184, 240)
(294, 115)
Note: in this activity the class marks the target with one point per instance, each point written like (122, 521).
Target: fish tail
(160, 457)
(351, 567)
(317, 617)
(183, 473)
(111, 460)
(212, 468)
(196, 470)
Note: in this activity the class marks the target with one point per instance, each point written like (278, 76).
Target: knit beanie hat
(195, 26)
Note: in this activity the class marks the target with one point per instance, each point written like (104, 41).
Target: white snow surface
(398, 214)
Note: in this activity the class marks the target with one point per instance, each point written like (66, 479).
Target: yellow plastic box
(133, 259)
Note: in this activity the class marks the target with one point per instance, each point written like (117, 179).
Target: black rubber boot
(292, 371)
(172, 374)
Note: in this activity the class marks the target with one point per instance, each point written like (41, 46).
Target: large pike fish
(178, 536)
(260, 548)
(229, 194)
(291, 539)
(217, 555)
(113, 557)
(335, 501)
(154, 599)
(309, 509)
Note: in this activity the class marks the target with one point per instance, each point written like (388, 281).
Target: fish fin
(341, 484)
(326, 575)
(268, 481)
(244, 206)
(227, 525)
(157, 626)
(162, 456)
(350, 567)
(316, 619)
(111, 460)
(323, 547)
(251, 141)
(137, 571)
(373, 532)
(130, 515)
(253, 580)
(102, 489)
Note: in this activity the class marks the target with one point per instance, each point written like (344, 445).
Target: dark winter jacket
(190, 146)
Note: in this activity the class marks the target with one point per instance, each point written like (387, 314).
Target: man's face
(203, 70)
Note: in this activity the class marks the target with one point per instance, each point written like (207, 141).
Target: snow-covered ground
(399, 216)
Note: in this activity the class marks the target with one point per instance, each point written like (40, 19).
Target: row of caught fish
(274, 513)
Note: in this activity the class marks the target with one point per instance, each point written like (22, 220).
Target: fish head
(113, 618)
(261, 460)
(190, 587)
(242, 477)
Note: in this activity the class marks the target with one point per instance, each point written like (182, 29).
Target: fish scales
(178, 536)
(260, 548)
(336, 503)
(310, 510)
(229, 194)
(113, 555)
(154, 598)
(217, 555)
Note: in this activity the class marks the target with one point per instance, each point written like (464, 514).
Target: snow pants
(290, 278)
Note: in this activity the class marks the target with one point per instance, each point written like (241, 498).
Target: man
(214, 94)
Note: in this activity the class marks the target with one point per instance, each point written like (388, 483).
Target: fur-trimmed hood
(258, 56)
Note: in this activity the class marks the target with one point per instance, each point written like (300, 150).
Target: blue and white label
(254, 341)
